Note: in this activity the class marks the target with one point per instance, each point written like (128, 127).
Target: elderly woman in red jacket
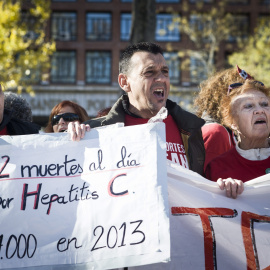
(246, 109)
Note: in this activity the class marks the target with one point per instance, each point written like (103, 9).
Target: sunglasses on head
(235, 85)
(68, 117)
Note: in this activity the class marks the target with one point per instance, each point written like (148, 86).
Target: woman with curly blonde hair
(217, 138)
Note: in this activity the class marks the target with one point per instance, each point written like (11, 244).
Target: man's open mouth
(159, 93)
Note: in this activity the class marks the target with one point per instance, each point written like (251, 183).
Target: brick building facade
(90, 36)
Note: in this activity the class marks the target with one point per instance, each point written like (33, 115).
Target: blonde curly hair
(212, 90)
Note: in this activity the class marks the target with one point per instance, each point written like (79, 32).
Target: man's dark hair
(124, 63)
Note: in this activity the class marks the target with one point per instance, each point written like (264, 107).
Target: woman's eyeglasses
(235, 85)
(68, 117)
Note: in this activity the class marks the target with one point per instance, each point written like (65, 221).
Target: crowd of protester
(227, 141)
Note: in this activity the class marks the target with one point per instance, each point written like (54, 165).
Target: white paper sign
(97, 204)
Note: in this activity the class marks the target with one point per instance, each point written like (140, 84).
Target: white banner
(97, 204)
(210, 231)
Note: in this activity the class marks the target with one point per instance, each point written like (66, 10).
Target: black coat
(16, 126)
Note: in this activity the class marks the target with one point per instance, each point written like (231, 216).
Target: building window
(98, 0)
(196, 22)
(30, 21)
(198, 1)
(98, 67)
(64, 0)
(241, 22)
(32, 76)
(201, 25)
(64, 26)
(166, 29)
(98, 26)
(126, 20)
(173, 61)
(237, 2)
(157, 1)
(63, 67)
(168, 1)
(197, 71)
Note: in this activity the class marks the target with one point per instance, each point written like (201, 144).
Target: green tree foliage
(24, 52)
(206, 28)
(254, 55)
